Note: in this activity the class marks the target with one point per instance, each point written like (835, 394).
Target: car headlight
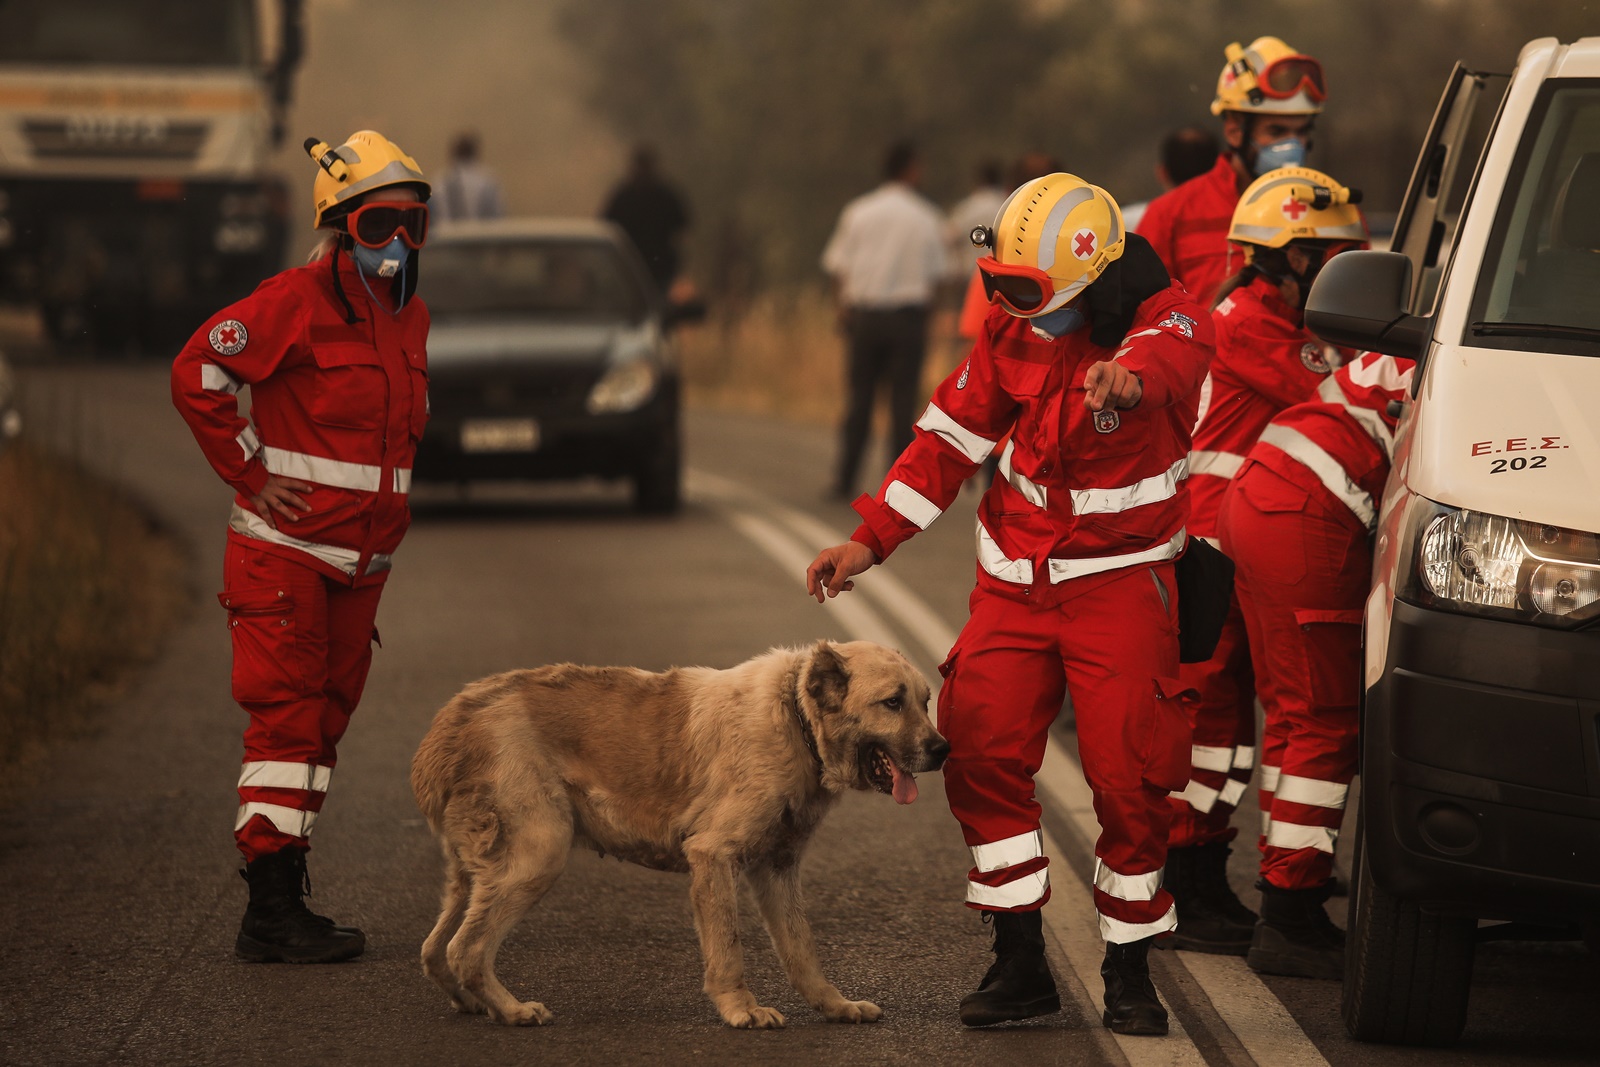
(1483, 564)
(624, 387)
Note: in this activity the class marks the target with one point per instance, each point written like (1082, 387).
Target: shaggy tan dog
(713, 772)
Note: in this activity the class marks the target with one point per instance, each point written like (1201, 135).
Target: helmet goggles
(1284, 77)
(377, 223)
(1023, 289)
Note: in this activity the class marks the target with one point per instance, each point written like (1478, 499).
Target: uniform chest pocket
(1036, 389)
(1023, 381)
(1112, 432)
(351, 388)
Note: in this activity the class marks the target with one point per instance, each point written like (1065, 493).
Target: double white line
(1263, 1027)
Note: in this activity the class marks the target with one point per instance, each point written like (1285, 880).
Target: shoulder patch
(1177, 320)
(966, 369)
(229, 338)
(1314, 358)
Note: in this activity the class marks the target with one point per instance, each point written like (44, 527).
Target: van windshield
(139, 33)
(1542, 269)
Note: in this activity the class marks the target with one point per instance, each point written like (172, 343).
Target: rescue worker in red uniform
(1288, 223)
(1091, 359)
(1298, 520)
(1268, 96)
(334, 354)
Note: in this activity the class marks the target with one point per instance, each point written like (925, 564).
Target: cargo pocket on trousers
(1332, 639)
(1169, 736)
(946, 701)
(266, 662)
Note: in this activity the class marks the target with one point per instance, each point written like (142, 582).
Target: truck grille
(106, 137)
(539, 388)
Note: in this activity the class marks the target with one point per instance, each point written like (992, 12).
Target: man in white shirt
(977, 208)
(886, 258)
(469, 190)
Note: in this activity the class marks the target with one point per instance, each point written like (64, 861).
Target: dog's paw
(853, 1011)
(754, 1018)
(528, 1013)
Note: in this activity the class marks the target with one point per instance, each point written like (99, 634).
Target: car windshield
(1542, 268)
(543, 278)
(180, 33)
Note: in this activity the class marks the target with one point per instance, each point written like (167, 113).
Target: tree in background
(775, 113)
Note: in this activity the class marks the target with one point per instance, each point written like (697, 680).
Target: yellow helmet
(366, 161)
(1296, 204)
(1269, 78)
(1060, 228)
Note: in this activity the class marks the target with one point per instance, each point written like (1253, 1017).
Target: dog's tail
(444, 764)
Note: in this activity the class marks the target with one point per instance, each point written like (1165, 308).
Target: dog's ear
(827, 680)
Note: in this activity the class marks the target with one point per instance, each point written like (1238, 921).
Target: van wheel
(1407, 972)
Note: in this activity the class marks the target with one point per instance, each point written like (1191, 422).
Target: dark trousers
(883, 344)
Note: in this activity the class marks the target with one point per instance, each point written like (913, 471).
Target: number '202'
(1500, 466)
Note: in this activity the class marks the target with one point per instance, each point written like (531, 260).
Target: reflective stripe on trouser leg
(1009, 874)
(1222, 711)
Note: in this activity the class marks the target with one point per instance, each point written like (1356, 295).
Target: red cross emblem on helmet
(1293, 209)
(1083, 243)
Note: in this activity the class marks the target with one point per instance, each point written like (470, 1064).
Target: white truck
(134, 141)
(1480, 754)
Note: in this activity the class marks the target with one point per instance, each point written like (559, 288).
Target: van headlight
(624, 387)
(1482, 564)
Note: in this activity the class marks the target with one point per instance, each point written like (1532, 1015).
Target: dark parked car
(549, 358)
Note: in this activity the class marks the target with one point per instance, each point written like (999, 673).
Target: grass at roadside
(88, 584)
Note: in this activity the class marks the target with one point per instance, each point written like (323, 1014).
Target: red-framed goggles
(377, 223)
(1025, 290)
(1286, 76)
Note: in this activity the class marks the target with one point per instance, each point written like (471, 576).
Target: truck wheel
(658, 485)
(1407, 972)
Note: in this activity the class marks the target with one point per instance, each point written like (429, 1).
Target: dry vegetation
(783, 355)
(87, 586)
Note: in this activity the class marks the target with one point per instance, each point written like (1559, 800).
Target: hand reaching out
(830, 573)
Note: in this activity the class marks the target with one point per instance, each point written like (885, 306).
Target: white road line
(1257, 1018)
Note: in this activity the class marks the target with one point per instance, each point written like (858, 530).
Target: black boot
(277, 925)
(1295, 935)
(1019, 984)
(1210, 917)
(1131, 1003)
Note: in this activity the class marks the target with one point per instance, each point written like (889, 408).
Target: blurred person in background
(468, 190)
(334, 353)
(886, 259)
(975, 301)
(1185, 154)
(1268, 96)
(652, 213)
(1091, 361)
(977, 208)
(1298, 520)
(1287, 225)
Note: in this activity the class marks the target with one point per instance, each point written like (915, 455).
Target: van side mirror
(1359, 301)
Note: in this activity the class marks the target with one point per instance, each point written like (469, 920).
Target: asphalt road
(119, 896)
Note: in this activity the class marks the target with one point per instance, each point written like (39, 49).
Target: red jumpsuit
(1297, 521)
(1265, 362)
(340, 405)
(1188, 228)
(1075, 593)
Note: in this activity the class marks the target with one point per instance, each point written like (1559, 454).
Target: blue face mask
(1289, 152)
(385, 262)
(1058, 323)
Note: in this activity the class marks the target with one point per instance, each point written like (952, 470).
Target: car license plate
(499, 435)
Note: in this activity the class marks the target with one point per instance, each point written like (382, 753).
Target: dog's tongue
(905, 785)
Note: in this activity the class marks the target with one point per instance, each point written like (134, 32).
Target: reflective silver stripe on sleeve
(1126, 886)
(1376, 428)
(365, 477)
(1327, 469)
(1292, 835)
(912, 504)
(960, 438)
(1031, 491)
(1244, 757)
(1117, 932)
(1206, 389)
(1199, 796)
(291, 821)
(248, 441)
(1126, 347)
(1210, 757)
(249, 524)
(273, 774)
(1311, 791)
(1151, 490)
(1232, 792)
(216, 380)
(1062, 570)
(1009, 852)
(1221, 464)
(997, 564)
(1025, 890)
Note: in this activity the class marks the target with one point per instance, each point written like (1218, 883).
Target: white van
(1480, 765)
